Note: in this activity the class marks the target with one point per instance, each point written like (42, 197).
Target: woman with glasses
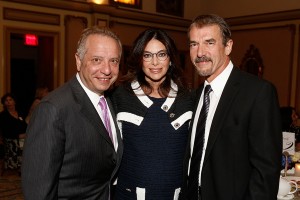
(153, 110)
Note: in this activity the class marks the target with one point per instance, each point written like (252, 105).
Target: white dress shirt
(95, 98)
(217, 86)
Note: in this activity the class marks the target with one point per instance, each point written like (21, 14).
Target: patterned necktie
(105, 115)
(193, 180)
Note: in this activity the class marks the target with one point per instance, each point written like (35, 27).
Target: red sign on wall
(31, 40)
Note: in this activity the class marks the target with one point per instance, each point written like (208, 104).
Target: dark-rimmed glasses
(161, 56)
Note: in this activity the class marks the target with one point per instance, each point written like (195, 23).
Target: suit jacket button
(172, 115)
(114, 161)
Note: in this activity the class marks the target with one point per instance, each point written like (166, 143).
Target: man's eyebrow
(210, 40)
(192, 41)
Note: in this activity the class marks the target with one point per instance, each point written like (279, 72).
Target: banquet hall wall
(274, 33)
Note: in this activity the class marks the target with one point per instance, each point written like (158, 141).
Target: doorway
(29, 67)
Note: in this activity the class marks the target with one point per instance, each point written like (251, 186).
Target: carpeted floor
(10, 186)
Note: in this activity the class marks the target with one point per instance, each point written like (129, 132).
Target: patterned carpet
(10, 186)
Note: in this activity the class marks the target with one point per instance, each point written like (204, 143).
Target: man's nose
(106, 68)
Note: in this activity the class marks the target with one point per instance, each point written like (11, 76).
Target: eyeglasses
(161, 56)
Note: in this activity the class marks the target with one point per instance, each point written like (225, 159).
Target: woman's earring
(170, 63)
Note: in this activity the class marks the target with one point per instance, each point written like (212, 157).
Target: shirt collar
(94, 97)
(219, 82)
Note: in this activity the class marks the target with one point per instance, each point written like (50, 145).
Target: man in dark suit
(68, 152)
(240, 157)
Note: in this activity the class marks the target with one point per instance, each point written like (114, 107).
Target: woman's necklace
(14, 114)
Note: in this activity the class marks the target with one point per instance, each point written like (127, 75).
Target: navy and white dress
(154, 133)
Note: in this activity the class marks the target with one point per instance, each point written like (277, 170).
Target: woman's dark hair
(135, 62)
(286, 117)
(4, 97)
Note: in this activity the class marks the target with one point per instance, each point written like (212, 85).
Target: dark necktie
(105, 115)
(193, 180)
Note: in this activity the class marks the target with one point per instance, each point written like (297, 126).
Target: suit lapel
(115, 123)
(230, 91)
(88, 110)
(197, 96)
(120, 142)
(188, 147)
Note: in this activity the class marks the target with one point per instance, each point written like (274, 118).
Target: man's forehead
(206, 32)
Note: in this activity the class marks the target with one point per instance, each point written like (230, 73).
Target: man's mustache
(202, 59)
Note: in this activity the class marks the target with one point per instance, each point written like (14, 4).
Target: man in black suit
(68, 153)
(241, 152)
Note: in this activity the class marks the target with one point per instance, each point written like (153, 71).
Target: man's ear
(78, 62)
(228, 47)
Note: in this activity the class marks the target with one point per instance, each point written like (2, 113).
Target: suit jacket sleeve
(265, 143)
(43, 164)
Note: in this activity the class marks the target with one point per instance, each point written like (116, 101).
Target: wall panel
(275, 45)
(73, 26)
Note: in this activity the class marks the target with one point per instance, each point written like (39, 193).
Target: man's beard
(201, 72)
